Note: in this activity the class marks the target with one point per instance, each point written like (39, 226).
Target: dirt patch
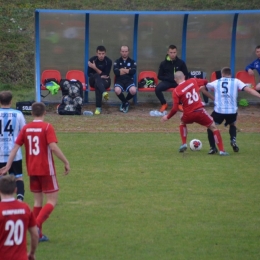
(138, 119)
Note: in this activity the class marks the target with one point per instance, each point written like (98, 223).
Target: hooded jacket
(168, 67)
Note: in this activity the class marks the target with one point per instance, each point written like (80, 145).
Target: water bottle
(157, 113)
(87, 113)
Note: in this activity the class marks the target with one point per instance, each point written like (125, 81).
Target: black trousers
(163, 86)
(100, 85)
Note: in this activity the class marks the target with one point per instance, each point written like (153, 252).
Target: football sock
(211, 139)
(129, 96)
(44, 214)
(122, 97)
(20, 189)
(36, 211)
(232, 132)
(183, 133)
(218, 140)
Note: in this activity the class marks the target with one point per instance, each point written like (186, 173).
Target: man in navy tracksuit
(167, 68)
(124, 69)
(255, 65)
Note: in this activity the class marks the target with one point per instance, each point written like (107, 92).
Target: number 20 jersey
(15, 219)
(36, 137)
(11, 123)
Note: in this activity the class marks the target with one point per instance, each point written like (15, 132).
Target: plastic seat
(246, 78)
(215, 75)
(78, 75)
(149, 74)
(49, 74)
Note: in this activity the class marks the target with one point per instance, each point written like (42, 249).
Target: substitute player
(226, 91)
(11, 123)
(15, 219)
(187, 92)
(40, 142)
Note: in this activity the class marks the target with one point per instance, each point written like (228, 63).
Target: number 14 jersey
(36, 137)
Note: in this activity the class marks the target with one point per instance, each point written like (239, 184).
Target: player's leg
(119, 89)
(257, 87)
(231, 121)
(131, 91)
(218, 139)
(163, 86)
(183, 133)
(17, 170)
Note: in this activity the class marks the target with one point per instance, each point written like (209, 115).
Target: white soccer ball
(195, 145)
(67, 100)
(77, 101)
(74, 91)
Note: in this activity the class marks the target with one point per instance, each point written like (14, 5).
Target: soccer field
(133, 196)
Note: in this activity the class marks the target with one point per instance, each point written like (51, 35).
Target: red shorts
(45, 184)
(199, 116)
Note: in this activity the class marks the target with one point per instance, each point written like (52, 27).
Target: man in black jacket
(124, 69)
(99, 68)
(167, 68)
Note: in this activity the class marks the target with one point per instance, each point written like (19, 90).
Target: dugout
(206, 40)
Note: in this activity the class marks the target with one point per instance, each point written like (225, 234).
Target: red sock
(183, 133)
(44, 214)
(36, 211)
(218, 140)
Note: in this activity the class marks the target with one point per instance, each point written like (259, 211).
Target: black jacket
(104, 65)
(127, 64)
(169, 67)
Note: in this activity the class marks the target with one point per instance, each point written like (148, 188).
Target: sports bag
(25, 107)
(146, 83)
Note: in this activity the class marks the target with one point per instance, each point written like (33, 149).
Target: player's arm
(250, 68)
(57, 151)
(107, 67)
(251, 91)
(10, 159)
(132, 70)
(206, 93)
(34, 242)
(174, 109)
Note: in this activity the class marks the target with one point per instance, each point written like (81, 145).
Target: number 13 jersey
(36, 137)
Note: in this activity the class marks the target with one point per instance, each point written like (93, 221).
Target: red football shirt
(15, 219)
(36, 136)
(187, 92)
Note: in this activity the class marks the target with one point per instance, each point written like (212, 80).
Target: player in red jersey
(40, 142)
(15, 219)
(188, 93)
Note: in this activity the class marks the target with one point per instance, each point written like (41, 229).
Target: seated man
(124, 69)
(255, 65)
(167, 69)
(99, 68)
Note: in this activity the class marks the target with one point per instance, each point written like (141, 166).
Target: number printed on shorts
(16, 232)
(192, 97)
(34, 148)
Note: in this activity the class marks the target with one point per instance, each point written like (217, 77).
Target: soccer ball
(195, 145)
(77, 101)
(67, 100)
(74, 91)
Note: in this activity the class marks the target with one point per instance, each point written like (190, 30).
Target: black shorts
(124, 84)
(219, 118)
(16, 168)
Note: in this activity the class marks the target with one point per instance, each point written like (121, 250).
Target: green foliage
(123, 202)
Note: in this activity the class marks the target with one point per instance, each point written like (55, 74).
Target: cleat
(43, 239)
(223, 153)
(234, 146)
(213, 150)
(180, 107)
(98, 111)
(163, 107)
(105, 96)
(126, 107)
(183, 148)
(122, 107)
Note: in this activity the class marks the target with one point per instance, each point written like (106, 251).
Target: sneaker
(98, 111)
(122, 107)
(180, 107)
(213, 150)
(183, 148)
(234, 146)
(105, 96)
(223, 153)
(163, 107)
(43, 238)
(126, 107)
